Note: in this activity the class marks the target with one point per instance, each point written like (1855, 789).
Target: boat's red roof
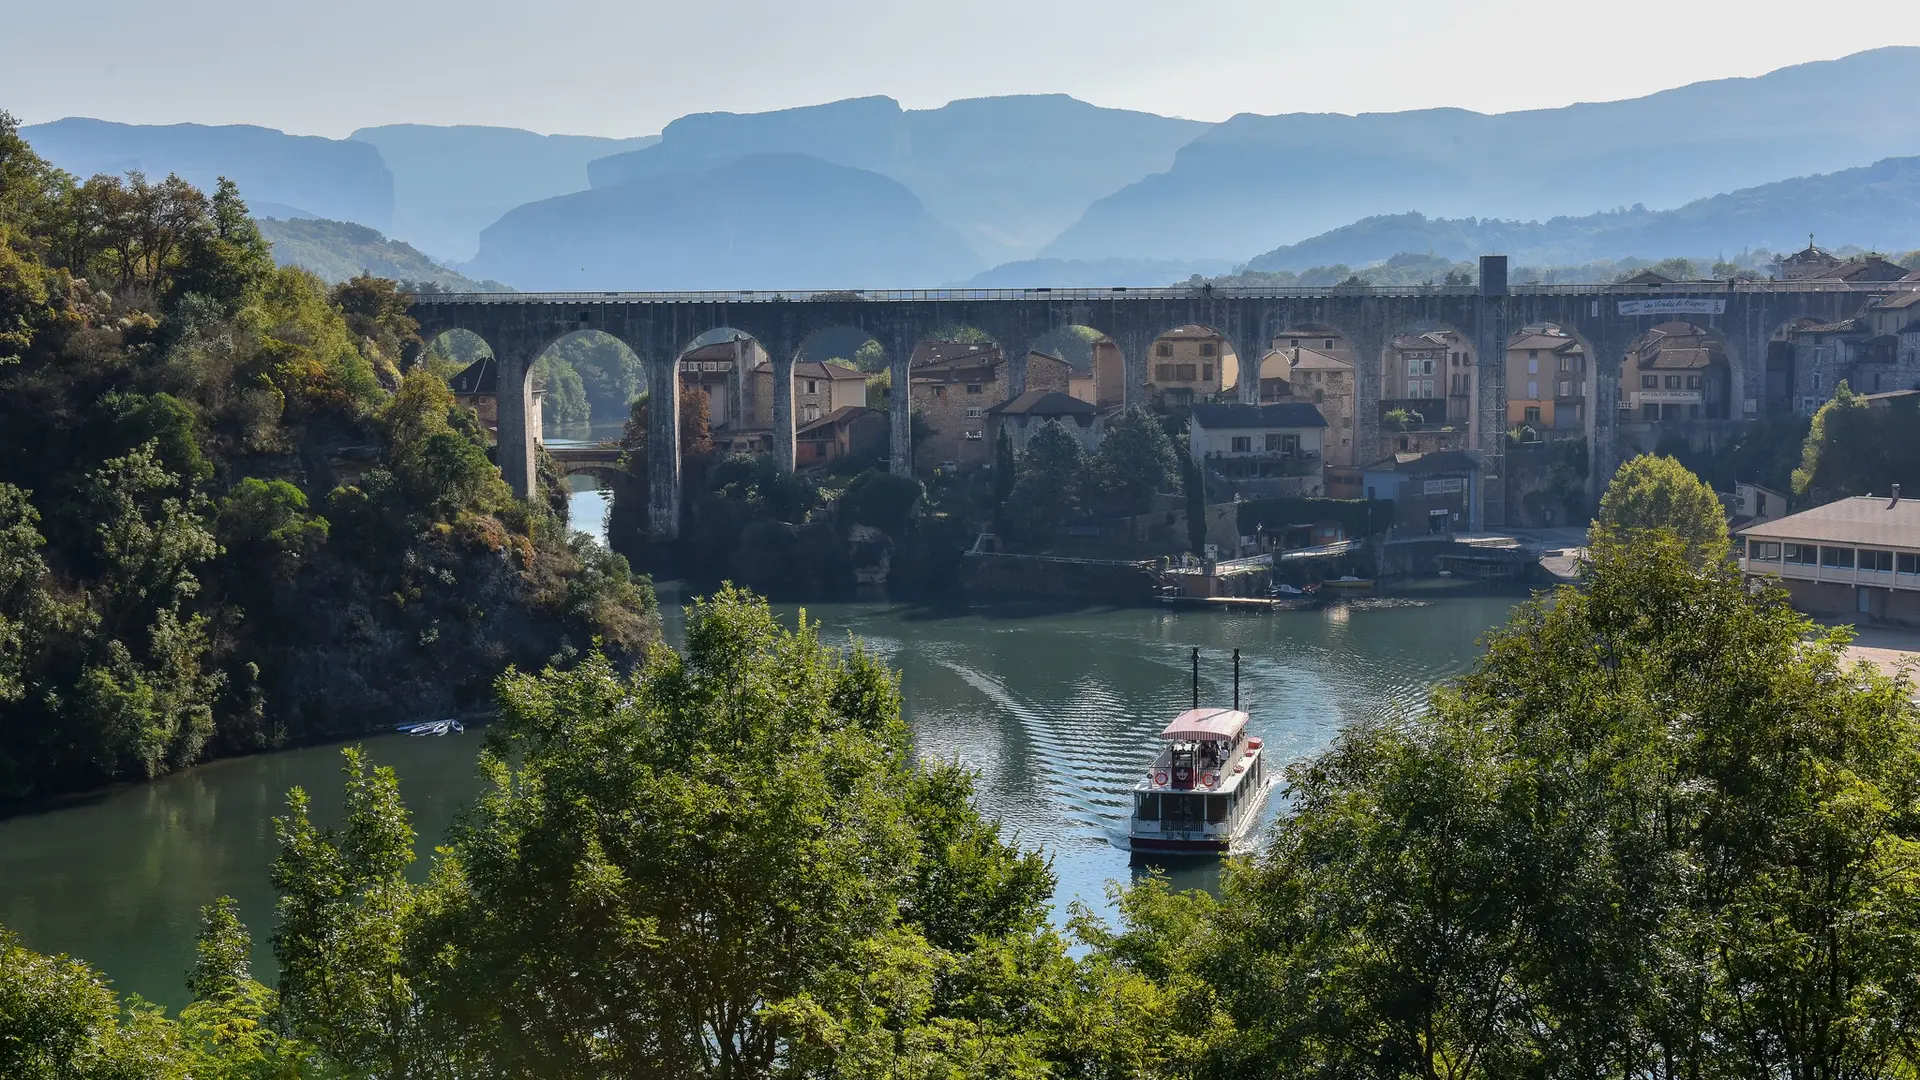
(1221, 725)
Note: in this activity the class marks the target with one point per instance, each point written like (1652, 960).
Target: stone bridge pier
(1607, 319)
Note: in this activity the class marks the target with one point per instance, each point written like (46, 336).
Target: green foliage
(881, 500)
(1005, 468)
(1649, 493)
(1052, 486)
(174, 404)
(1134, 462)
(1194, 480)
(1854, 449)
(565, 403)
(1404, 419)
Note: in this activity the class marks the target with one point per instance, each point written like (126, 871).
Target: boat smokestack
(1196, 677)
(1236, 680)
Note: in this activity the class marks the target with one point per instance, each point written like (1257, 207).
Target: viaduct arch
(657, 326)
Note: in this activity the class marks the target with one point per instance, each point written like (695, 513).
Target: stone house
(953, 384)
(715, 370)
(1326, 381)
(1189, 364)
(1021, 416)
(818, 389)
(1417, 365)
(477, 388)
(849, 431)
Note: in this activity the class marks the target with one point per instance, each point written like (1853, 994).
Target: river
(1055, 707)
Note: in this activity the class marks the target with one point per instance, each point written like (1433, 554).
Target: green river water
(1055, 707)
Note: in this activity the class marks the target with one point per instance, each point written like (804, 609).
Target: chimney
(1896, 497)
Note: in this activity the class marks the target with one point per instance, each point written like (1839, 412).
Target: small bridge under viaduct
(661, 327)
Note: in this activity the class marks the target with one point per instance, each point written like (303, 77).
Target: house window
(1803, 554)
(1207, 349)
(813, 386)
(1693, 382)
(1413, 366)
(974, 414)
(1649, 412)
(1649, 382)
(1243, 444)
(1206, 372)
(973, 388)
(1533, 389)
(1185, 372)
(1273, 442)
(1163, 373)
(1319, 397)
(1329, 344)
(1165, 348)
(810, 413)
(1293, 343)
(1765, 552)
(1533, 414)
(1673, 382)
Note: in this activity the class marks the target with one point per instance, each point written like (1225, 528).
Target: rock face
(1007, 172)
(775, 221)
(317, 177)
(1256, 181)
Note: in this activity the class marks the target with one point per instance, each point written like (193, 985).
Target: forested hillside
(337, 250)
(227, 517)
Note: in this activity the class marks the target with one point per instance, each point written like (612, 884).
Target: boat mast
(1196, 676)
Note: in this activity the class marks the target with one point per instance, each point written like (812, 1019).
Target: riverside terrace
(660, 327)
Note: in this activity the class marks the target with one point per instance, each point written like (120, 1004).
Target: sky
(619, 69)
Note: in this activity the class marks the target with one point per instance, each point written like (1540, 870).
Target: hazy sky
(628, 68)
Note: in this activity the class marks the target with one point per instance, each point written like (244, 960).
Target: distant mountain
(1008, 172)
(338, 250)
(1876, 207)
(1256, 181)
(326, 177)
(769, 221)
(1093, 273)
(451, 182)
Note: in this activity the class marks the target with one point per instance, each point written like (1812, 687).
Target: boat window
(1216, 808)
(1149, 807)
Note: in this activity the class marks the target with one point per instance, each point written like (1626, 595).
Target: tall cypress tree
(1196, 503)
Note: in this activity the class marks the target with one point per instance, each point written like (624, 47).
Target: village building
(1753, 504)
(477, 388)
(1853, 557)
(818, 389)
(1322, 379)
(1876, 350)
(1189, 365)
(1547, 382)
(953, 384)
(1432, 494)
(1677, 372)
(1239, 442)
(1806, 263)
(715, 371)
(851, 431)
(1022, 416)
(1109, 372)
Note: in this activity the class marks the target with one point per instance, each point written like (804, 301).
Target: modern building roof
(1874, 520)
(1044, 403)
(1431, 462)
(1285, 414)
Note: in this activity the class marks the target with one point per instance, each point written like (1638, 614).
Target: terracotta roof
(1647, 277)
(944, 352)
(1044, 403)
(1286, 414)
(721, 350)
(1680, 359)
(1844, 326)
(841, 415)
(1541, 341)
(814, 369)
(477, 379)
(1863, 519)
(1191, 333)
(1870, 268)
(1430, 462)
(1314, 359)
(1904, 299)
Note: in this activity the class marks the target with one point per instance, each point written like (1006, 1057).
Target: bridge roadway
(1606, 319)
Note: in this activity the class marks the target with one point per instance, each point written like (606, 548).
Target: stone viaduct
(660, 327)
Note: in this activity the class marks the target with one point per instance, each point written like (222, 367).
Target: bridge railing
(1172, 292)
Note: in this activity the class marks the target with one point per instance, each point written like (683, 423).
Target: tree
(1134, 462)
(1660, 830)
(1005, 469)
(1851, 449)
(1052, 484)
(1649, 493)
(1195, 478)
(725, 866)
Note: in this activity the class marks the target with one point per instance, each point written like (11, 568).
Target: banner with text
(1674, 305)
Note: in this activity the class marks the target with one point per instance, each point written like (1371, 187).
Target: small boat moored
(432, 727)
(1204, 791)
